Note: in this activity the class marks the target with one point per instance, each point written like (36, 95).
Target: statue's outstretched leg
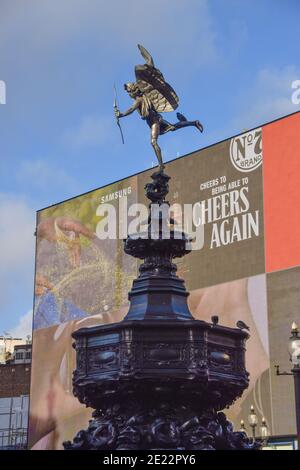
(183, 122)
(155, 131)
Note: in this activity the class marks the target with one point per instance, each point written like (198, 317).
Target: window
(19, 355)
(28, 354)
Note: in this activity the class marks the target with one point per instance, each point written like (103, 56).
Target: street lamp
(264, 430)
(294, 352)
(252, 420)
(243, 428)
(294, 345)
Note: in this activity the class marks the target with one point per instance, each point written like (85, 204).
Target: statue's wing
(146, 55)
(152, 84)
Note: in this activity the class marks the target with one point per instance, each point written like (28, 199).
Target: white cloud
(49, 25)
(17, 224)
(17, 242)
(24, 327)
(40, 174)
(269, 98)
(92, 131)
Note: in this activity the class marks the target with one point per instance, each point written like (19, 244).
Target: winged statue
(152, 95)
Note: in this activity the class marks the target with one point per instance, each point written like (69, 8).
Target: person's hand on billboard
(65, 231)
(51, 228)
(42, 284)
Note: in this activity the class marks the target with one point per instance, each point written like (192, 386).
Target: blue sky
(231, 62)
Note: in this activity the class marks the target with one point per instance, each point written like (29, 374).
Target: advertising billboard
(238, 200)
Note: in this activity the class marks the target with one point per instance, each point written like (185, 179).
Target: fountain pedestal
(159, 379)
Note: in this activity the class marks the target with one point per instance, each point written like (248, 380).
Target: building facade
(7, 345)
(14, 398)
(239, 200)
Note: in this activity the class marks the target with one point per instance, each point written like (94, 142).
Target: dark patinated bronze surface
(159, 379)
(152, 95)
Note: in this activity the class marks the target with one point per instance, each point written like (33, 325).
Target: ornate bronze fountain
(159, 379)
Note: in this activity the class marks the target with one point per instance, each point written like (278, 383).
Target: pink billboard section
(281, 172)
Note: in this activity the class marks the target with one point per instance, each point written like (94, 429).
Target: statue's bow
(116, 109)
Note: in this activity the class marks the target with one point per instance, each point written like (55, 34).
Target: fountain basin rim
(179, 323)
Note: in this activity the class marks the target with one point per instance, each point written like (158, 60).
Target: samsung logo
(116, 195)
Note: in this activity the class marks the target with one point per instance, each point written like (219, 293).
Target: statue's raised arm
(152, 95)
